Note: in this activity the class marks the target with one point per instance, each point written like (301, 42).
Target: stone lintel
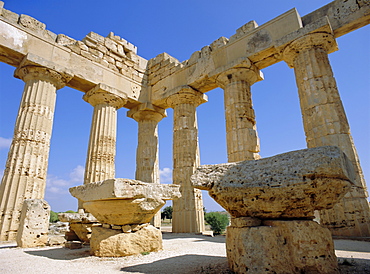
(53, 72)
(147, 111)
(185, 95)
(344, 16)
(104, 94)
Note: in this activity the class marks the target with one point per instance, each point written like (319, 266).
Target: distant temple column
(325, 123)
(26, 167)
(101, 153)
(188, 215)
(241, 133)
(147, 157)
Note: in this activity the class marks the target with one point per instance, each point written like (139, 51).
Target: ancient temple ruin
(112, 76)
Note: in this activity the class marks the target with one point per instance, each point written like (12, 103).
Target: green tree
(167, 213)
(53, 217)
(217, 221)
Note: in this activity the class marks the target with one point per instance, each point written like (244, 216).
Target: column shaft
(100, 161)
(147, 156)
(241, 132)
(188, 215)
(26, 167)
(147, 167)
(102, 145)
(325, 123)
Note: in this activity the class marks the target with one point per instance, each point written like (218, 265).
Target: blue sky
(180, 28)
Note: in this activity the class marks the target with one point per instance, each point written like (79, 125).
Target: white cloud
(77, 174)
(56, 185)
(5, 142)
(165, 175)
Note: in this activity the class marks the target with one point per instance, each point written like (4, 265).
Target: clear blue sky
(180, 28)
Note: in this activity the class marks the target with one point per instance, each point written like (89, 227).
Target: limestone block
(83, 231)
(56, 240)
(77, 218)
(34, 223)
(113, 243)
(283, 247)
(124, 201)
(288, 185)
(31, 23)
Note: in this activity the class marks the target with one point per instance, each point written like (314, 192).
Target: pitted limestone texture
(289, 185)
(300, 246)
(113, 243)
(34, 223)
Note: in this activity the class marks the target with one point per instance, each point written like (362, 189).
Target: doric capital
(186, 95)
(29, 72)
(249, 75)
(147, 111)
(322, 40)
(103, 94)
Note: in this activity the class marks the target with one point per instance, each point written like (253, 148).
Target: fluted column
(188, 215)
(102, 144)
(325, 123)
(147, 156)
(26, 167)
(241, 132)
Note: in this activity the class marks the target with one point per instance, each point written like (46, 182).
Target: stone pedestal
(241, 133)
(188, 215)
(272, 203)
(294, 246)
(34, 223)
(325, 123)
(107, 242)
(26, 167)
(80, 226)
(125, 208)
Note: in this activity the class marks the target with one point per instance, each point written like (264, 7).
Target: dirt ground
(182, 253)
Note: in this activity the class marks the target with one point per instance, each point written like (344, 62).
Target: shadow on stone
(61, 253)
(182, 264)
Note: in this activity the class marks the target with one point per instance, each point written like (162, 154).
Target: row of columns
(323, 115)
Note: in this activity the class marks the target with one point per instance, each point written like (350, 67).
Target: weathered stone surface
(113, 243)
(56, 240)
(288, 185)
(281, 247)
(83, 231)
(123, 189)
(124, 201)
(77, 218)
(34, 223)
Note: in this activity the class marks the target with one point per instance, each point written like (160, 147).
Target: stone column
(26, 167)
(102, 145)
(147, 157)
(325, 123)
(241, 133)
(188, 215)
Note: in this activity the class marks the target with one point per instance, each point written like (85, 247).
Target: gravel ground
(182, 253)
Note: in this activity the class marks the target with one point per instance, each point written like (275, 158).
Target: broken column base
(276, 246)
(126, 240)
(34, 223)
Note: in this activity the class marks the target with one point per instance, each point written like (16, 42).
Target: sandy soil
(182, 253)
